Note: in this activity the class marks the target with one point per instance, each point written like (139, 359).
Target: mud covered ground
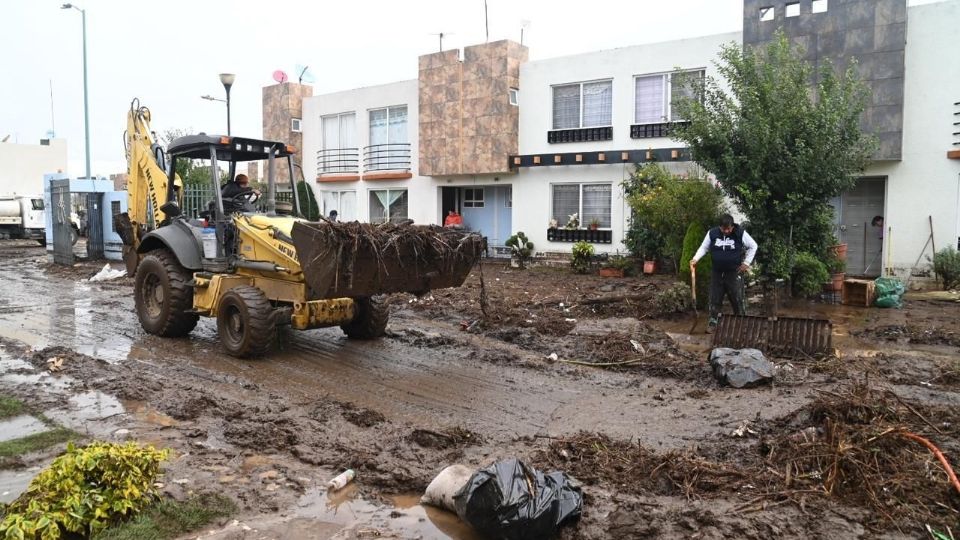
(661, 449)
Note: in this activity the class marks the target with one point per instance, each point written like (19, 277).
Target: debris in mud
(921, 335)
(275, 432)
(741, 368)
(447, 438)
(512, 500)
(444, 487)
(361, 417)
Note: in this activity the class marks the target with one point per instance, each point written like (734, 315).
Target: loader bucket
(362, 259)
(778, 336)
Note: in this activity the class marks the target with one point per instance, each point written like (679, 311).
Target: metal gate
(62, 230)
(864, 242)
(94, 226)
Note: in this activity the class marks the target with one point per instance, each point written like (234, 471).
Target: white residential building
(558, 136)
(22, 166)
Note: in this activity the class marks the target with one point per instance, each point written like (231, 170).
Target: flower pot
(594, 227)
(649, 267)
(611, 272)
(836, 281)
(839, 251)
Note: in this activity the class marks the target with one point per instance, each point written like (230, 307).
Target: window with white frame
(514, 96)
(589, 201)
(344, 202)
(295, 125)
(339, 152)
(655, 95)
(388, 205)
(473, 198)
(580, 105)
(388, 128)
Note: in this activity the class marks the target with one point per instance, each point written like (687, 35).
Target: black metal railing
(593, 236)
(580, 135)
(647, 131)
(338, 160)
(386, 157)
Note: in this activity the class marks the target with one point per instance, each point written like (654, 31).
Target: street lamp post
(227, 80)
(86, 107)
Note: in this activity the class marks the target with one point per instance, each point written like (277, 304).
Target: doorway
(857, 209)
(487, 210)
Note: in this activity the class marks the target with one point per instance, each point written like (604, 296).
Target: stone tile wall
(281, 103)
(467, 125)
(872, 31)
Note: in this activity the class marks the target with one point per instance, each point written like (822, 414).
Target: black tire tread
(260, 321)
(370, 318)
(180, 321)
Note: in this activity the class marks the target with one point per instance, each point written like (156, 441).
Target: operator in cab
(239, 185)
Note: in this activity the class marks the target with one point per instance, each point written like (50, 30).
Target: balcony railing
(338, 160)
(386, 157)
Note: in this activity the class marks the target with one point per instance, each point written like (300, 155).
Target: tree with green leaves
(782, 138)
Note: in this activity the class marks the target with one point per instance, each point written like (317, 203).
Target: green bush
(84, 490)
(642, 241)
(808, 276)
(619, 262)
(308, 202)
(582, 257)
(946, 265)
(667, 203)
(691, 242)
(521, 249)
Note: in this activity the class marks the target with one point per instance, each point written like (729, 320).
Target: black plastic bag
(510, 500)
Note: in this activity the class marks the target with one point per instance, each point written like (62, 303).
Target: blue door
(487, 210)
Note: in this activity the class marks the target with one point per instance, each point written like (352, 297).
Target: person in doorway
(878, 222)
(333, 216)
(732, 250)
(453, 220)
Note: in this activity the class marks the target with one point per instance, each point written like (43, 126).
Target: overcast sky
(169, 52)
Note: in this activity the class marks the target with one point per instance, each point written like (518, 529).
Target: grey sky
(168, 53)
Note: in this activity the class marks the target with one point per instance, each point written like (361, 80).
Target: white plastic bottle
(342, 480)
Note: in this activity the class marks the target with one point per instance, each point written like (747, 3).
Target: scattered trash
(342, 480)
(637, 346)
(743, 429)
(510, 500)
(55, 364)
(445, 486)
(181, 481)
(809, 434)
(106, 274)
(889, 292)
(553, 357)
(741, 368)
(570, 320)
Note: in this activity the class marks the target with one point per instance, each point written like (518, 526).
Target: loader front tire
(245, 322)
(163, 296)
(369, 319)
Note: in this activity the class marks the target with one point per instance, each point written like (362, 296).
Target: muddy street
(448, 385)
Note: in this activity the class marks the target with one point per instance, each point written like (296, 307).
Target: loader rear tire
(163, 296)
(245, 322)
(370, 318)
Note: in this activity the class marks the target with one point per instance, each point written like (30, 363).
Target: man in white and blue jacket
(732, 250)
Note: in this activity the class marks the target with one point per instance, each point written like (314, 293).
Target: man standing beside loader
(732, 250)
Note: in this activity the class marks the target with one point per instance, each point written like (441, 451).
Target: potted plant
(521, 249)
(651, 247)
(594, 224)
(837, 267)
(573, 221)
(615, 266)
(553, 223)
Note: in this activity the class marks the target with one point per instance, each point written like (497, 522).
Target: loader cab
(232, 150)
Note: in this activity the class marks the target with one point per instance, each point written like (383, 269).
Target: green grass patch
(37, 441)
(10, 407)
(170, 519)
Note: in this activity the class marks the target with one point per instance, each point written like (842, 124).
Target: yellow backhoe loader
(254, 271)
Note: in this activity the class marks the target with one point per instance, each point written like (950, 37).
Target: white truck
(21, 216)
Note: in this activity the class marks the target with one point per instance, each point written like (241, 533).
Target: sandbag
(511, 500)
(445, 486)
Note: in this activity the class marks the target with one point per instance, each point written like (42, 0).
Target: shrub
(667, 203)
(809, 274)
(521, 249)
(619, 262)
(582, 257)
(691, 242)
(674, 299)
(84, 490)
(308, 201)
(642, 241)
(946, 265)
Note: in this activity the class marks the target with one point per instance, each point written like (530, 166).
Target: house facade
(482, 128)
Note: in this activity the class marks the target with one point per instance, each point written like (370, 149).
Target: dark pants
(729, 283)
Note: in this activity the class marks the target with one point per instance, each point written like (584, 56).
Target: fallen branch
(613, 299)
